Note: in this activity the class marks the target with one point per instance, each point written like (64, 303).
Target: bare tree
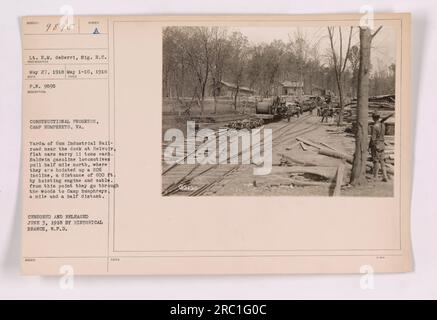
(204, 36)
(339, 64)
(301, 49)
(238, 62)
(267, 63)
(195, 46)
(220, 51)
(358, 175)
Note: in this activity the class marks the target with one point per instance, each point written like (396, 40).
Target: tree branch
(334, 55)
(341, 49)
(377, 30)
(348, 50)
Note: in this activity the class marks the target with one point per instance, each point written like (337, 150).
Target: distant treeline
(197, 59)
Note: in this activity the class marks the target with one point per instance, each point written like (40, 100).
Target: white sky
(383, 45)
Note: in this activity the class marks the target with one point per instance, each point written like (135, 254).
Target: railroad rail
(178, 177)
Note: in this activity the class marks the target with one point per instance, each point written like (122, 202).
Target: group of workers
(325, 109)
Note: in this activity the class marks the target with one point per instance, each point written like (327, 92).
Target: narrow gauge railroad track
(281, 130)
(177, 177)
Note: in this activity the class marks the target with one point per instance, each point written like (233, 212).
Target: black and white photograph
(278, 111)
(304, 130)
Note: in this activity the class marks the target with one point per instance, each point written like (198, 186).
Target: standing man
(319, 106)
(325, 112)
(298, 108)
(289, 112)
(377, 146)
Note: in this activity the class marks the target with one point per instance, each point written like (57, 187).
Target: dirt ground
(278, 183)
(298, 168)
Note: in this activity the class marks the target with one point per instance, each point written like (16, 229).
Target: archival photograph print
(278, 111)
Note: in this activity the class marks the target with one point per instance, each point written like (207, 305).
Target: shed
(229, 89)
(292, 88)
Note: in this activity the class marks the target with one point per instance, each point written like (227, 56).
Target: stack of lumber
(331, 152)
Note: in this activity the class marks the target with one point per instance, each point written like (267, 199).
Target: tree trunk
(214, 93)
(340, 93)
(354, 83)
(358, 175)
(236, 98)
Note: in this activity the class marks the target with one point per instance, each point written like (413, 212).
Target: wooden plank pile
(385, 104)
(327, 150)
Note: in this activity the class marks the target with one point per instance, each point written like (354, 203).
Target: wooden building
(291, 88)
(229, 89)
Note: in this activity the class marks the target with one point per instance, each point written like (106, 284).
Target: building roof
(233, 86)
(292, 84)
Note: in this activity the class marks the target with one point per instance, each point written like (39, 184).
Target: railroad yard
(309, 158)
(325, 97)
